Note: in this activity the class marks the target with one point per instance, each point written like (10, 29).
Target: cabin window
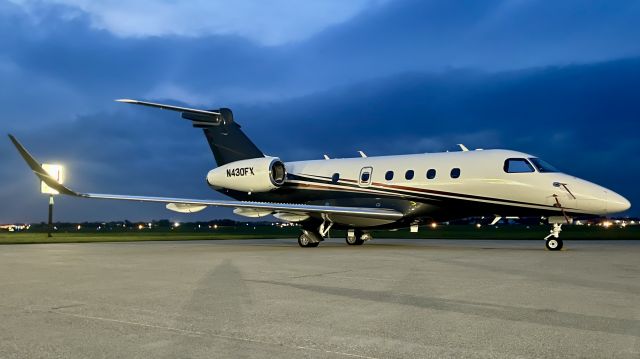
(409, 175)
(431, 174)
(388, 176)
(517, 165)
(455, 173)
(365, 176)
(543, 166)
(335, 178)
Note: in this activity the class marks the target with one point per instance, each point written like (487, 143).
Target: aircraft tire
(305, 242)
(553, 244)
(354, 241)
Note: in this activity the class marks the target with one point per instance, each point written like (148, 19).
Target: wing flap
(376, 213)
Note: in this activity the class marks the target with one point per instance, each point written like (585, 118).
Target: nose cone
(617, 203)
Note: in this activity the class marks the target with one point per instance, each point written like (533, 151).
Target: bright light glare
(176, 224)
(434, 225)
(606, 224)
(55, 171)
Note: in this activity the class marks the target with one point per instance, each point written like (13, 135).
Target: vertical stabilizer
(227, 141)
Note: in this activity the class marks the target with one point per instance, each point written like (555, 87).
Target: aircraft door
(365, 177)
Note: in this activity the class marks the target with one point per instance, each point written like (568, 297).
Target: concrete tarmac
(270, 298)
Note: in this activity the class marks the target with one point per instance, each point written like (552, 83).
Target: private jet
(365, 193)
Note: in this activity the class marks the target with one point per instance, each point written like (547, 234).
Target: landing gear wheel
(552, 241)
(305, 241)
(553, 244)
(357, 238)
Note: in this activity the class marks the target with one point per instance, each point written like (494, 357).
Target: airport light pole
(57, 172)
(50, 226)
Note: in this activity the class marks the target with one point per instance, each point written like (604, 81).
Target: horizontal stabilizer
(200, 118)
(170, 107)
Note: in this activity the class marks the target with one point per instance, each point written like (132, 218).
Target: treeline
(155, 225)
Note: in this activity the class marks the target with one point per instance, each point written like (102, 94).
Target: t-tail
(227, 141)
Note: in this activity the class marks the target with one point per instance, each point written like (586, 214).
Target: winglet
(36, 167)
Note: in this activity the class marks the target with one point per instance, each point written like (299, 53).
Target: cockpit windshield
(542, 166)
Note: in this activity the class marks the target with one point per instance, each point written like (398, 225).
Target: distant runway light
(434, 225)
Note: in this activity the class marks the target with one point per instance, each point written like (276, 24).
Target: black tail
(227, 141)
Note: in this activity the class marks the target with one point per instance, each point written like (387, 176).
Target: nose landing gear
(552, 240)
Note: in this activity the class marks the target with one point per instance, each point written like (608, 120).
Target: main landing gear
(357, 238)
(309, 239)
(552, 240)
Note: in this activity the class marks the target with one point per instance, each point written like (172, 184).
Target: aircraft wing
(361, 212)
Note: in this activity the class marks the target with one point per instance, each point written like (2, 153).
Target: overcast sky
(557, 79)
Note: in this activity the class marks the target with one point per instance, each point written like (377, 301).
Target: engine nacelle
(252, 175)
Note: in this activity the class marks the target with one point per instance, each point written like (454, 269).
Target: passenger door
(365, 177)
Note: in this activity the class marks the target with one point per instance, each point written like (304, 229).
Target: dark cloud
(412, 76)
(51, 50)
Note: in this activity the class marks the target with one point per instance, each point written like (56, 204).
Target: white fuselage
(482, 179)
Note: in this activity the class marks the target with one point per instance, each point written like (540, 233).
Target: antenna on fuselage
(326, 157)
(362, 154)
(463, 147)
